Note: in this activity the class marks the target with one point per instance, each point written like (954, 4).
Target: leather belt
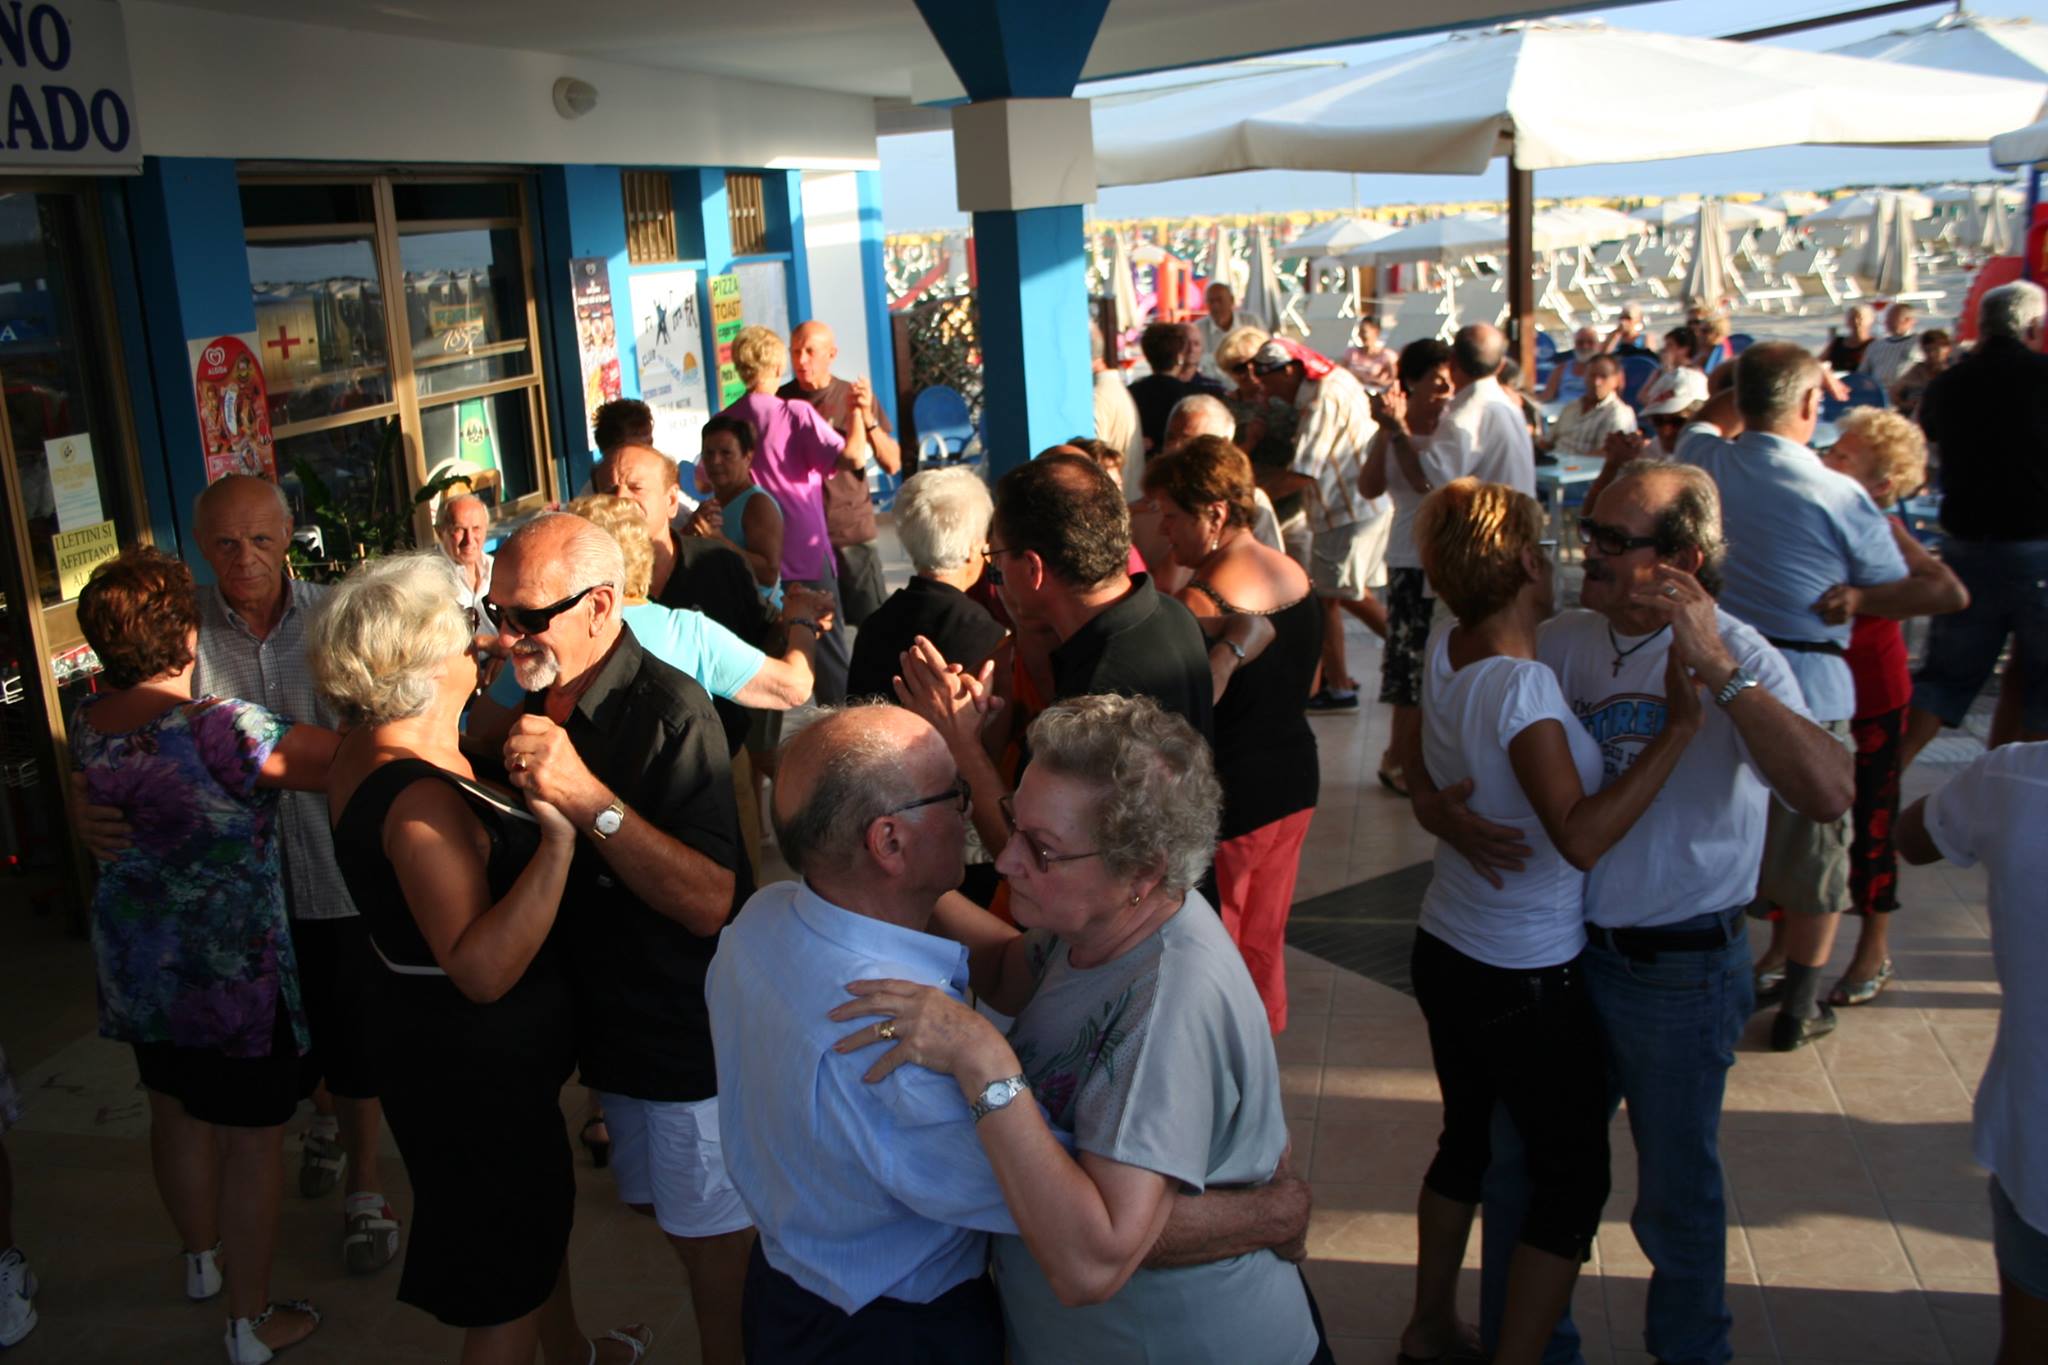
(1642, 943)
(1810, 646)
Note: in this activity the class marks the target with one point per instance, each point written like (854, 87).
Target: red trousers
(1255, 878)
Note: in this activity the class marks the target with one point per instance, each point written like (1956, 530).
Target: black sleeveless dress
(473, 1091)
(1265, 750)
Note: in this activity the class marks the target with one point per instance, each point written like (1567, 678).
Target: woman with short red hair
(188, 923)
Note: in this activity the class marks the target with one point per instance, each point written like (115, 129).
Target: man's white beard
(534, 666)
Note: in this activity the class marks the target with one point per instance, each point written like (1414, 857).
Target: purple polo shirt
(798, 452)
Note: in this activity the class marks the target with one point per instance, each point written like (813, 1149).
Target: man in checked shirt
(252, 645)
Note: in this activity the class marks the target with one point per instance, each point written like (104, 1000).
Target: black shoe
(1789, 1034)
(1332, 699)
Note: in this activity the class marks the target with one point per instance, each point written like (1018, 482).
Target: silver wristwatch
(609, 820)
(1741, 681)
(997, 1095)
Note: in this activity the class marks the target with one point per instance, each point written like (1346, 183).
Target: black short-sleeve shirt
(647, 731)
(712, 577)
(961, 628)
(1142, 645)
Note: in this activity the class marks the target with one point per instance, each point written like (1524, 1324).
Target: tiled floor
(1859, 1230)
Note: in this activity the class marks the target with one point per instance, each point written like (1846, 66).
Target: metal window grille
(650, 217)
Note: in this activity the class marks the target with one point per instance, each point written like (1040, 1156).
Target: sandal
(638, 1337)
(245, 1347)
(1392, 780)
(600, 1149)
(369, 1241)
(1847, 992)
(320, 1166)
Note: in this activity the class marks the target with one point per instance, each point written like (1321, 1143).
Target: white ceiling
(868, 47)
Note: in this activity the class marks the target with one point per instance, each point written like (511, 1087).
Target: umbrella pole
(1521, 264)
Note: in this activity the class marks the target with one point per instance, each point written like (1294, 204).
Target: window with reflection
(320, 328)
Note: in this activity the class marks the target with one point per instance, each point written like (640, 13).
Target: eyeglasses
(960, 794)
(532, 620)
(1239, 370)
(1611, 540)
(990, 554)
(1045, 860)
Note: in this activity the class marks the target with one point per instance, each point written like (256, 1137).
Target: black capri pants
(1526, 1038)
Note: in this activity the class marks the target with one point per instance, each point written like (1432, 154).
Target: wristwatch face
(608, 821)
(996, 1094)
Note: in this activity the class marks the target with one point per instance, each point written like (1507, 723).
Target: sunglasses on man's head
(532, 620)
(1611, 540)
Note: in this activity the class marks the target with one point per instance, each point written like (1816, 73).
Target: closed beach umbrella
(1123, 287)
(1897, 272)
(1711, 276)
(1263, 296)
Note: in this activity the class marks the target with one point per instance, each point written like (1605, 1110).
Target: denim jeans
(2008, 583)
(1671, 1024)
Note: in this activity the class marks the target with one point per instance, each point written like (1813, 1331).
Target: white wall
(838, 291)
(212, 84)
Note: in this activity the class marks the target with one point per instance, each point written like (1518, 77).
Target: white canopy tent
(1518, 91)
(1973, 44)
(1334, 238)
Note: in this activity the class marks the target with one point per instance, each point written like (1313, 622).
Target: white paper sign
(74, 481)
(668, 335)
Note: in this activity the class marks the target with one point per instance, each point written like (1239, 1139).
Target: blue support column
(1034, 334)
(583, 213)
(1031, 256)
(715, 222)
(875, 290)
(192, 265)
(785, 196)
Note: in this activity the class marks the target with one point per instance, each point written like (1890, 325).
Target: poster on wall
(597, 333)
(764, 295)
(727, 318)
(74, 481)
(234, 408)
(669, 335)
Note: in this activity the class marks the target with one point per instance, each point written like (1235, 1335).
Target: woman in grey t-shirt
(1140, 1033)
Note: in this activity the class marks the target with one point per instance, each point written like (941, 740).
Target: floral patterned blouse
(189, 922)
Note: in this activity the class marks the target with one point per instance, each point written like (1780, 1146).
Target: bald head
(554, 555)
(1477, 352)
(851, 816)
(239, 496)
(649, 478)
(812, 349)
(244, 528)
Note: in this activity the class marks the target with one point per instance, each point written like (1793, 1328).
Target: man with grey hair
(252, 644)
(875, 1201)
(1204, 414)
(1667, 962)
(631, 752)
(1988, 413)
(461, 526)
(1797, 529)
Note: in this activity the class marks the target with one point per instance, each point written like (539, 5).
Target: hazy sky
(917, 170)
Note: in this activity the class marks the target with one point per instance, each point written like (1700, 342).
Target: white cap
(1689, 386)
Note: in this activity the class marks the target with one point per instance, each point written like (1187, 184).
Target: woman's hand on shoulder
(929, 1028)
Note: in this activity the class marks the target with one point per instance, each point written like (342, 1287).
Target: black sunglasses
(532, 620)
(960, 794)
(1611, 540)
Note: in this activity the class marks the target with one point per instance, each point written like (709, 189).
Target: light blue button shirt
(1795, 528)
(859, 1191)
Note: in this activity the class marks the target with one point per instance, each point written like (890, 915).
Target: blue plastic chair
(1546, 359)
(1635, 372)
(1865, 391)
(1738, 342)
(943, 425)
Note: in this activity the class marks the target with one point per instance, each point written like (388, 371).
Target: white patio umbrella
(1977, 194)
(1792, 203)
(1975, 44)
(1263, 296)
(1734, 216)
(1123, 286)
(1710, 279)
(1858, 208)
(1435, 239)
(2022, 146)
(1602, 224)
(1668, 212)
(1896, 270)
(1334, 238)
(1518, 91)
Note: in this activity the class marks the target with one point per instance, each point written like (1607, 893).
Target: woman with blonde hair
(1265, 750)
(458, 884)
(797, 451)
(1495, 967)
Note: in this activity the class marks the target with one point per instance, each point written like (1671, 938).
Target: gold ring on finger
(886, 1030)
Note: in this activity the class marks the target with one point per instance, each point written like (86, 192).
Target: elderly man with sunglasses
(1667, 963)
(631, 751)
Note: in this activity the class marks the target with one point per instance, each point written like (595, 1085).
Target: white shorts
(1346, 562)
(667, 1156)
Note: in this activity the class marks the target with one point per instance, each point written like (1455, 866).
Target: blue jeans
(2008, 583)
(1671, 1024)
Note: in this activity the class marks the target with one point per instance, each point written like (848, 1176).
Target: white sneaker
(17, 1298)
(244, 1347)
(202, 1274)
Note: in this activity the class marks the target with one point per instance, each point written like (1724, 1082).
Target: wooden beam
(1521, 269)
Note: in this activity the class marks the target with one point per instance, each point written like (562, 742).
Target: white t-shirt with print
(1698, 847)
(1469, 717)
(1994, 813)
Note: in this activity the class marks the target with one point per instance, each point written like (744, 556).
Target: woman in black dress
(1265, 750)
(459, 885)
